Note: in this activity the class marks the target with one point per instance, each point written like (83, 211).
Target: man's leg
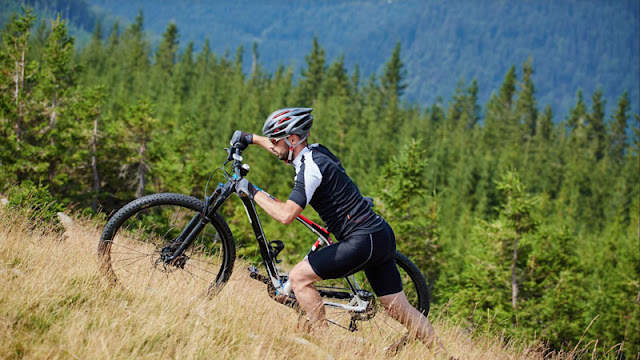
(302, 278)
(398, 307)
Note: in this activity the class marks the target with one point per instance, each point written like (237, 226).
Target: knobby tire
(131, 243)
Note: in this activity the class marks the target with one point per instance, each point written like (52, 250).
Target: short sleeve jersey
(322, 182)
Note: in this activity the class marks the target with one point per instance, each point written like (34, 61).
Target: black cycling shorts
(374, 253)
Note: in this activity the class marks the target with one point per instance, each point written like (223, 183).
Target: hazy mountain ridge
(573, 45)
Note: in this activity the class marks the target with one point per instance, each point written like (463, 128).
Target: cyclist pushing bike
(367, 242)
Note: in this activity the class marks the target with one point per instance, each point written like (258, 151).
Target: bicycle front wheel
(135, 242)
(373, 322)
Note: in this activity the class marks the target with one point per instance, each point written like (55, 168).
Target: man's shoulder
(321, 154)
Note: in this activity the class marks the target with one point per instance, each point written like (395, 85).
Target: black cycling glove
(245, 187)
(241, 139)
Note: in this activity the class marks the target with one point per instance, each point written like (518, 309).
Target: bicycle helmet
(285, 122)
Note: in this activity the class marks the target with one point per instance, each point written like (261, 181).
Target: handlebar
(239, 170)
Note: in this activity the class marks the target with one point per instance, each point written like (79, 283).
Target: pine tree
(184, 76)
(576, 187)
(333, 107)
(141, 126)
(134, 67)
(15, 39)
(618, 138)
(527, 105)
(391, 88)
(406, 205)
(92, 57)
(508, 88)
(87, 114)
(392, 81)
(500, 123)
(578, 115)
(312, 76)
(597, 132)
(544, 125)
(58, 77)
(254, 59)
(167, 50)
(164, 92)
(16, 87)
(520, 274)
(457, 106)
(471, 107)
(541, 176)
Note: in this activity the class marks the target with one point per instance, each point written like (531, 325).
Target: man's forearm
(262, 141)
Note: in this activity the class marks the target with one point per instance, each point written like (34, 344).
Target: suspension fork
(198, 222)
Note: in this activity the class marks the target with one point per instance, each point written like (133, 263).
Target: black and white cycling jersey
(322, 182)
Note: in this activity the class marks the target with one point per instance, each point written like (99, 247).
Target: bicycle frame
(220, 195)
(357, 304)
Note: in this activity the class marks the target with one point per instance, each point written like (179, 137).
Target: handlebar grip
(237, 164)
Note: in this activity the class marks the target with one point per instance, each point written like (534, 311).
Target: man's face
(280, 148)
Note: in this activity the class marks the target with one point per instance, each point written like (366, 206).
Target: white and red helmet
(285, 122)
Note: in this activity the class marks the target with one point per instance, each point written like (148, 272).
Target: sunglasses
(274, 141)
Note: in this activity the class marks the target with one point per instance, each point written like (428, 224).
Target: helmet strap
(290, 156)
(291, 146)
(289, 159)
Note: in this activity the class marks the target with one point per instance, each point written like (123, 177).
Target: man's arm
(263, 141)
(284, 212)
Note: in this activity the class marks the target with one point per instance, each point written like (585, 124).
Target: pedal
(276, 246)
(254, 273)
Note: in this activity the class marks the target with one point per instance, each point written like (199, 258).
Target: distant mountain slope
(573, 44)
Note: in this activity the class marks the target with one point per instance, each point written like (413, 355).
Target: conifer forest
(525, 222)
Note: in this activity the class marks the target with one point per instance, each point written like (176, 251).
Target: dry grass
(55, 304)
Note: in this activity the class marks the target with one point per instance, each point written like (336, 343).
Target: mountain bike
(172, 241)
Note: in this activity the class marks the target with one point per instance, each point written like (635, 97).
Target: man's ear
(295, 139)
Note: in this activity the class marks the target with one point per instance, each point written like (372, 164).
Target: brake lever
(229, 155)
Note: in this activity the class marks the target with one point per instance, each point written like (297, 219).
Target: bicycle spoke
(138, 257)
(201, 269)
(125, 247)
(131, 263)
(136, 273)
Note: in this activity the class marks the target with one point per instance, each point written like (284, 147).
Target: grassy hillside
(56, 304)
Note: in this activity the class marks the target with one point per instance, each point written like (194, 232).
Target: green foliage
(313, 76)
(518, 205)
(408, 207)
(392, 80)
(517, 251)
(37, 205)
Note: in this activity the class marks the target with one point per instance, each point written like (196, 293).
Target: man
(366, 241)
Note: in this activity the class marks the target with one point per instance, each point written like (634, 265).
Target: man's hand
(241, 139)
(245, 187)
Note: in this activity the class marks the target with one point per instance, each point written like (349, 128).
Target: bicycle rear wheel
(374, 323)
(138, 238)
